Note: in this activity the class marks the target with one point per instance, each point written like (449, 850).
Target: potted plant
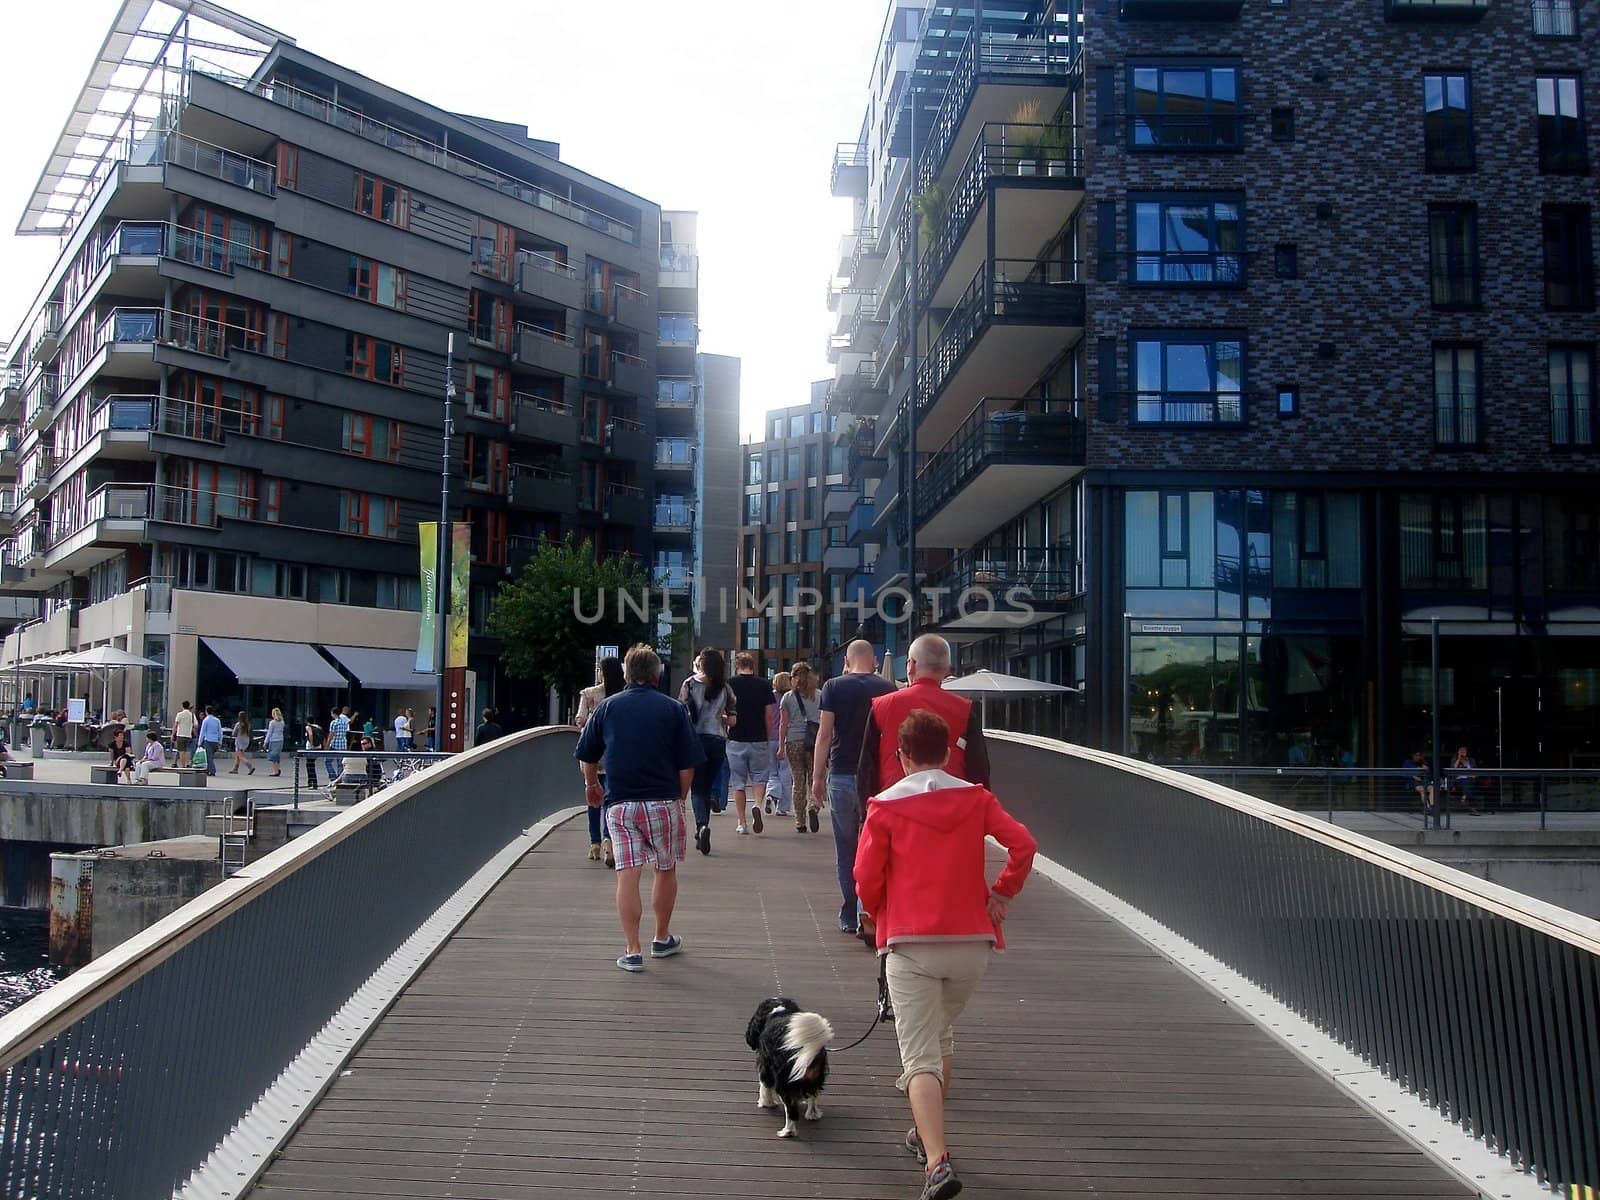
(1024, 137)
(929, 204)
(1055, 147)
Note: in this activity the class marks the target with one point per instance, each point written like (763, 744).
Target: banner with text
(460, 582)
(428, 555)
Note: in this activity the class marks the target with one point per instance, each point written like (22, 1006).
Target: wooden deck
(522, 1063)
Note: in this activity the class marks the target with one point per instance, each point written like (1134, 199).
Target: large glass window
(1568, 258)
(1447, 122)
(1188, 107)
(1572, 542)
(1188, 240)
(1456, 399)
(1188, 379)
(1572, 395)
(1453, 255)
(1443, 541)
(1316, 540)
(1171, 540)
(1563, 142)
(752, 468)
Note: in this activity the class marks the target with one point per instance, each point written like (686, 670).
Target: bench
(102, 773)
(19, 770)
(350, 792)
(187, 776)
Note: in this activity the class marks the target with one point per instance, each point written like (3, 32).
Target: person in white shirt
(183, 733)
(402, 730)
(155, 755)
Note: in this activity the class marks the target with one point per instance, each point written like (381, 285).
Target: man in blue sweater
(211, 739)
(650, 753)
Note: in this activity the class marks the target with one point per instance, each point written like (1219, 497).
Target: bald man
(845, 703)
(927, 666)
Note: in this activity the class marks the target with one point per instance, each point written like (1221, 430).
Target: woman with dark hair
(611, 682)
(122, 756)
(242, 737)
(709, 700)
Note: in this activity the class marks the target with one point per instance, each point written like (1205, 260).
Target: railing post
(1327, 777)
(1544, 800)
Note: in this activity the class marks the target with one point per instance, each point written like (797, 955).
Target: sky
(731, 108)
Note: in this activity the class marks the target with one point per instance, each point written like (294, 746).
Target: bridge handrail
(1476, 997)
(142, 1044)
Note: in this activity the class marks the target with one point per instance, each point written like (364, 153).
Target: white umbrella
(103, 658)
(984, 684)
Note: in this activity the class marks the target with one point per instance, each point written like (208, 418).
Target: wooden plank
(522, 1063)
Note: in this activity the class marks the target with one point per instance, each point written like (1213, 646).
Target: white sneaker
(740, 829)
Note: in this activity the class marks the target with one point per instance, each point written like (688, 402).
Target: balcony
(118, 429)
(252, 174)
(41, 401)
(543, 419)
(994, 77)
(630, 307)
(848, 180)
(1555, 18)
(861, 255)
(1181, 10)
(11, 393)
(127, 335)
(674, 515)
(44, 337)
(858, 528)
(999, 336)
(183, 506)
(839, 501)
(545, 350)
(546, 280)
(8, 504)
(677, 329)
(15, 552)
(627, 439)
(1031, 174)
(857, 391)
(676, 394)
(1007, 455)
(539, 488)
(674, 455)
(993, 590)
(861, 460)
(1435, 10)
(630, 374)
(860, 587)
(680, 266)
(109, 521)
(841, 560)
(624, 504)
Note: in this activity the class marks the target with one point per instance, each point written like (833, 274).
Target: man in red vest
(927, 665)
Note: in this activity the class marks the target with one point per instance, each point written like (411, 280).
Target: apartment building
(228, 399)
(800, 579)
(1233, 355)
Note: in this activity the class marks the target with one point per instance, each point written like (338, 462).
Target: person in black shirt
(488, 731)
(749, 751)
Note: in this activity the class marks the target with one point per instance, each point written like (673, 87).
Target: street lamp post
(441, 581)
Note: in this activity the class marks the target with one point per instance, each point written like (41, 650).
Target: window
(484, 463)
(1443, 541)
(1563, 141)
(371, 437)
(1288, 402)
(489, 320)
(373, 516)
(383, 201)
(789, 504)
(1286, 260)
(1316, 540)
(1171, 540)
(489, 392)
(1453, 255)
(1188, 107)
(1283, 124)
(1456, 381)
(816, 422)
(752, 469)
(774, 466)
(1188, 240)
(772, 508)
(1568, 258)
(282, 254)
(811, 461)
(777, 429)
(813, 544)
(1447, 123)
(1188, 379)
(377, 283)
(752, 509)
(752, 634)
(1572, 395)
(288, 166)
(772, 546)
(220, 240)
(280, 335)
(807, 507)
(217, 324)
(791, 466)
(492, 249)
(1555, 18)
(371, 358)
(1572, 542)
(791, 547)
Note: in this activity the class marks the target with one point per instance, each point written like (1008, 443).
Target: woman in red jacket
(920, 878)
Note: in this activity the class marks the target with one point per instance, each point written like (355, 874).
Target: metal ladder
(238, 830)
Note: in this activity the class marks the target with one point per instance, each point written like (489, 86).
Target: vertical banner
(460, 581)
(428, 556)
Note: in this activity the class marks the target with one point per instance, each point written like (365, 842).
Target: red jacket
(919, 866)
(888, 712)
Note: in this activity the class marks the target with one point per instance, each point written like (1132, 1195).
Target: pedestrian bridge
(1204, 995)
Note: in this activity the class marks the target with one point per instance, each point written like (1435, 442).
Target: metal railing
(674, 514)
(230, 166)
(549, 335)
(547, 263)
(157, 592)
(113, 502)
(676, 392)
(205, 422)
(1186, 268)
(1032, 573)
(1000, 430)
(1479, 1000)
(427, 151)
(120, 1080)
(1154, 407)
(679, 258)
(1187, 131)
(1555, 18)
(676, 329)
(674, 452)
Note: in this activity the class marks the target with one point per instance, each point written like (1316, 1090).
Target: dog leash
(885, 1010)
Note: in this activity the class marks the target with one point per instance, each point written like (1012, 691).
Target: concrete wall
(86, 815)
(100, 901)
(1560, 866)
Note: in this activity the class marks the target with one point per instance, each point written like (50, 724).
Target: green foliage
(537, 613)
(929, 205)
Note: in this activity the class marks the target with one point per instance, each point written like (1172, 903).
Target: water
(24, 956)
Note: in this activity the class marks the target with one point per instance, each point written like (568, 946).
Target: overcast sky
(728, 107)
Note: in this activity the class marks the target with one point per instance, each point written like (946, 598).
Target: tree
(563, 604)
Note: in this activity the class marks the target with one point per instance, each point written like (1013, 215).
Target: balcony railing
(41, 400)
(1028, 573)
(45, 330)
(205, 422)
(185, 506)
(1187, 131)
(848, 177)
(129, 327)
(430, 152)
(858, 528)
(676, 515)
(674, 453)
(1050, 294)
(1181, 268)
(1555, 18)
(1156, 408)
(12, 382)
(999, 431)
(1435, 10)
(202, 335)
(113, 502)
(857, 391)
(1043, 58)
(623, 503)
(676, 329)
(679, 258)
(227, 165)
(629, 373)
(1002, 150)
(1182, 10)
(676, 393)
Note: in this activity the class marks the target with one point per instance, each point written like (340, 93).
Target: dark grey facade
(1303, 360)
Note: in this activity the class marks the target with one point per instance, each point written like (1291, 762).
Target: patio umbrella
(106, 659)
(984, 684)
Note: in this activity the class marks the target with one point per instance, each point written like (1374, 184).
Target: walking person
(488, 729)
(311, 740)
(183, 726)
(611, 682)
(844, 706)
(650, 756)
(780, 788)
(927, 665)
(211, 738)
(799, 723)
(274, 741)
(707, 697)
(426, 736)
(338, 739)
(749, 751)
(922, 883)
(242, 737)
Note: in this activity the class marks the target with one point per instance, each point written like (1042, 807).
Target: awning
(287, 664)
(383, 670)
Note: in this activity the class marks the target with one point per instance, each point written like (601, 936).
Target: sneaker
(853, 931)
(755, 819)
(702, 839)
(668, 948)
(769, 804)
(914, 1144)
(740, 829)
(811, 819)
(941, 1183)
(631, 962)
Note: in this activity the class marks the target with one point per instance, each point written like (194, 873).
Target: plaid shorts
(647, 831)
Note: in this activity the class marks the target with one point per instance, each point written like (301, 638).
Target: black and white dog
(792, 1058)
